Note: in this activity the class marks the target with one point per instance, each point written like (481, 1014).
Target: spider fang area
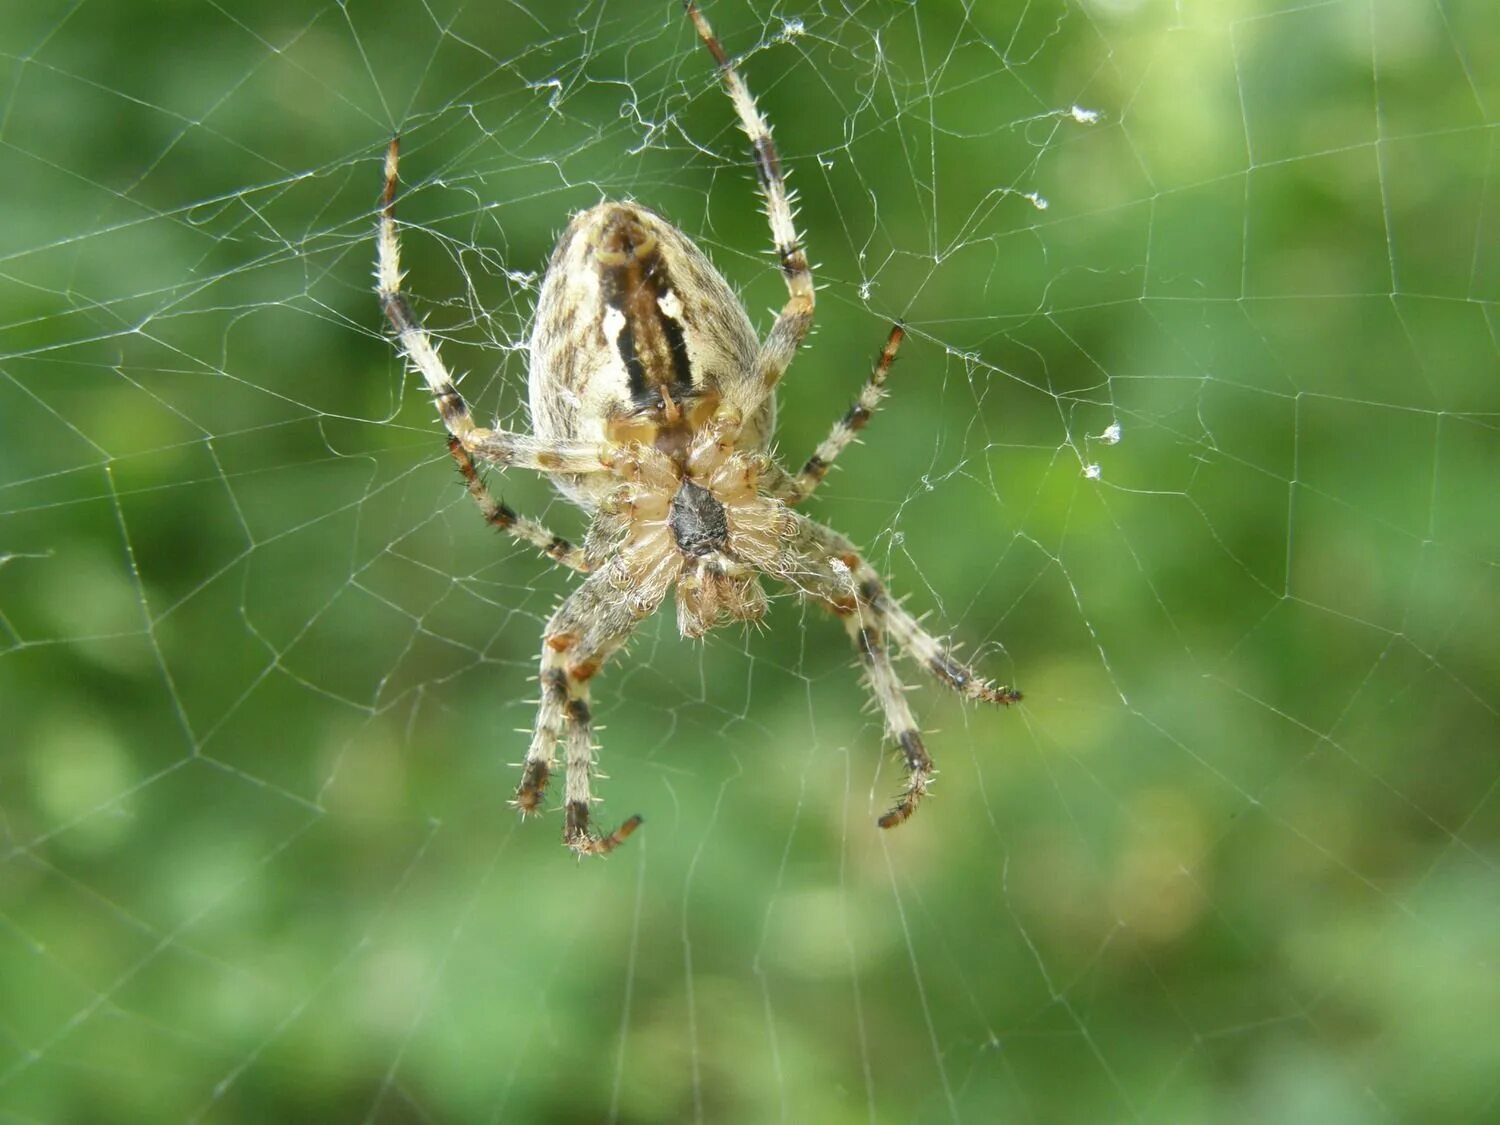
(697, 521)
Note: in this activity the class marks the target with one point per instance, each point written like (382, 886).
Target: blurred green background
(261, 666)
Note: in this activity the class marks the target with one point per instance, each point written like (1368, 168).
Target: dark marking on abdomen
(634, 368)
(682, 366)
(633, 279)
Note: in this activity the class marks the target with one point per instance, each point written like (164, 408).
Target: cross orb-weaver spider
(653, 407)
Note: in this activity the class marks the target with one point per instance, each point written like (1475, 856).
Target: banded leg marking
(869, 639)
(498, 446)
(586, 630)
(502, 517)
(847, 428)
(796, 316)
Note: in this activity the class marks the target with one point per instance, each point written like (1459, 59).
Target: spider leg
(580, 767)
(564, 715)
(863, 624)
(928, 651)
(846, 428)
(816, 549)
(501, 516)
(822, 564)
(796, 316)
(589, 627)
(498, 446)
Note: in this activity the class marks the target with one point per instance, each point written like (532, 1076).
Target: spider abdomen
(637, 337)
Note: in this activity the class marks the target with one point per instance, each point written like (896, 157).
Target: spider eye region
(697, 521)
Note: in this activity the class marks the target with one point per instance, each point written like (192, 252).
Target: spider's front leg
(497, 446)
(586, 630)
(864, 629)
(796, 317)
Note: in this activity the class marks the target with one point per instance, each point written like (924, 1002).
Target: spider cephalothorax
(653, 405)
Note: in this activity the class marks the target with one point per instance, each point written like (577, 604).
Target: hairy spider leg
(498, 446)
(863, 625)
(847, 428)
(503, 517)
(589, 627)
(796, 316)
(820, 563)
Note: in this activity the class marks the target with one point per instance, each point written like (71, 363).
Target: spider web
(1193, 438)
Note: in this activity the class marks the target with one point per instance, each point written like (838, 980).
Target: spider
(653, 407)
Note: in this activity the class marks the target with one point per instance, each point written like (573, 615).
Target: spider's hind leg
(933, 655)
(869, 640)
(876, 606)
(580, 765)
(822, 564)
(815, 547)
(588, 628)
